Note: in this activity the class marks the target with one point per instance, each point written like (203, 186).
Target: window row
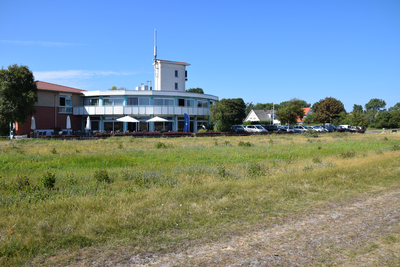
(135, 101)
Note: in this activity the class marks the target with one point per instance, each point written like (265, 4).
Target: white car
(301, 128)
(318, 128)
(255, 129)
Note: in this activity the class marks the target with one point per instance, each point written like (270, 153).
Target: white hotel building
(168, 100)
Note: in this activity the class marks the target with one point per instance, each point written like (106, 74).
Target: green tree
(382, 120)
(302, 104)
(249, 107)
(114, 88)
(395, 107)
(394, 121)
(291, 112)
(18, 94)
(195, 90)
(227, 112)
(357, 108)
(358, 119)
(327, 110)
(375, 105)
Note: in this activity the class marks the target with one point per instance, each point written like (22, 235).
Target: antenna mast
(155, 45)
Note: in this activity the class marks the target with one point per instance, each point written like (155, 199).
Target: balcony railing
(140, 110)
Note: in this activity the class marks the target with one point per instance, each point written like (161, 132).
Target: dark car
(238, 128)
(270, 127)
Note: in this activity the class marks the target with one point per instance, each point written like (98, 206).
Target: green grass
(154, 195)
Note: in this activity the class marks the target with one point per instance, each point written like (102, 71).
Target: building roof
(263, 114)
(306, 111)
(45, 86)
(173, 62)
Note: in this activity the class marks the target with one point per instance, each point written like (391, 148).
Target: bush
(102, 176)
(245, 144)
(160, 145)
(311, 133)
(202, 131)
(21, 183)
(48, 180)
(348, 154)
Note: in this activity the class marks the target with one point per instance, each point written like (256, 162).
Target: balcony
(140, 110)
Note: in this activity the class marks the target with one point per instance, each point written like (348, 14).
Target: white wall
(164, 76)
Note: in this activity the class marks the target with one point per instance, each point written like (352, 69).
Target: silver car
(255, 129)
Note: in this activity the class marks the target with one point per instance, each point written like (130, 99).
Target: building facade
(169, 100)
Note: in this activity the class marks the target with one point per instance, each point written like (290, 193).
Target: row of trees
(228, 112)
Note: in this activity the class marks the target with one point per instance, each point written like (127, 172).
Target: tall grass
(126, 191)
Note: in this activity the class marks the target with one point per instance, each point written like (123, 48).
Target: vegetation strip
(65, 195)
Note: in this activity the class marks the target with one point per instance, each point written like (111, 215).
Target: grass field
(154, 194)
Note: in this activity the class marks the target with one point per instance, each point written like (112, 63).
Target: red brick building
(55, 103)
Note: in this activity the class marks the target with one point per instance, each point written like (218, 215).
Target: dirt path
(365, 232)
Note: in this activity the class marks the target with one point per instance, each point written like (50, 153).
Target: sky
(261, 51)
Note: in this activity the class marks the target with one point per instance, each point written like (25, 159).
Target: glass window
(190, 103)
(176, 74)
(118, 102)
(132, 101)
(65, 104)
(158, 102)
(181, 102)
(176, 86)
(169, 102)
(144, 101)
(107, 102)
(94, 102)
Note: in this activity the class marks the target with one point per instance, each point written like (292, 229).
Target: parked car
(238, 128)
(341, 129)
(288, 129)
(302, 128)
(255, 129)
(318, 128)
(270, 127)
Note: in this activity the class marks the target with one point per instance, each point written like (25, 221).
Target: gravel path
(365, 232)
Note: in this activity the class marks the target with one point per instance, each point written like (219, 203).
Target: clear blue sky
(261, 51)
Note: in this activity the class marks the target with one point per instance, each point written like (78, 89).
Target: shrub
(254, 170)
(348, 154)
(317, 160)
(160, 145)
(202, 131)
(102, 176)
(311, 133)
(245, 144)
(396, 147)
(48, 180)
(221, 171)
(53, 151)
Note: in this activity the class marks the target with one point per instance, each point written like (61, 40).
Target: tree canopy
(291, 112)
(301, 103)
(357, 108)
(18, 94)
(375, 105)
(328, 109)
(395, 107)
(227, 112)
(195, 90)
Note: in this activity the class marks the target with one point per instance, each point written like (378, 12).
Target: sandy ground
(362, 232)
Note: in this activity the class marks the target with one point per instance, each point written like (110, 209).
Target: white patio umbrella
(129, 119)
(157, 119)
(69, 122)
(33, 123)
(88, 124)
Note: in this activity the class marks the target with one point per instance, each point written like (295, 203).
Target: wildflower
(11, 231)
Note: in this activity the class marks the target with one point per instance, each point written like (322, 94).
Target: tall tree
(227, 112)
(291, 112)
(302, 103)
(18, 94)
(357, 108)
(249, 107)
(358, 119)
(114, 88)
(328, 109)
(195, 90)
(375, 105)
(395, 107)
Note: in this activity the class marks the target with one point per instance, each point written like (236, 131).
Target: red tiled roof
(306, 110)
(57, 88)
(173, 62)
